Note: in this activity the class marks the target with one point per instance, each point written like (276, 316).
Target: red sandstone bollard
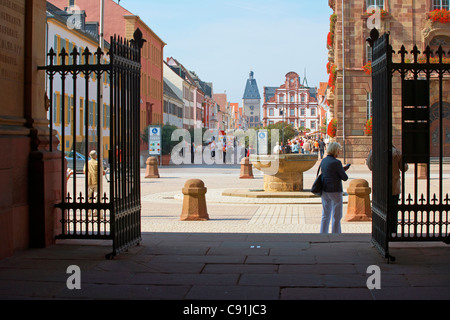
(194, 201)
(358, 208)
(246, 169)
(152, 168)
(422, 172)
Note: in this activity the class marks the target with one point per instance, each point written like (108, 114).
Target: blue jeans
(331, 210)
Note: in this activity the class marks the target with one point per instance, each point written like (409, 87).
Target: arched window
(437, 41)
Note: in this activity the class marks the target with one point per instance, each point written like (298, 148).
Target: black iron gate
(422, 210)
(95, 105)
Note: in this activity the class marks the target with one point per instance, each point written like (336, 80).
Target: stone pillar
(31, 174)
(194, 201)
(246, 169)
(152, 168)
(358, 208)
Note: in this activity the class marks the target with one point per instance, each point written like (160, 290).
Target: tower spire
(305, 81)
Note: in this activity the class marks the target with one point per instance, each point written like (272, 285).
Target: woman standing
(333, 173)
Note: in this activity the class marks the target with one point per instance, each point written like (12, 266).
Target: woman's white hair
(333, 149)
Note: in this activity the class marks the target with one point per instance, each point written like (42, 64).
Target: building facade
(173, 107)
(292, 103)
(251, 103)
(123, 23)
(60, 36)
(409, 24)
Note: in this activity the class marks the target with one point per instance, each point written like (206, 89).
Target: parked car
(80, 160)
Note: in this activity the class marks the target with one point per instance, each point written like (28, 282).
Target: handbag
(317, 185)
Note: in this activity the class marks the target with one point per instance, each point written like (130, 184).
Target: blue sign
(154, 141)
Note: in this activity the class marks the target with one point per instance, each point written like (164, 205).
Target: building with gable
(294, 103)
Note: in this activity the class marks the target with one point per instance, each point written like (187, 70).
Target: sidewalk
(247, 251)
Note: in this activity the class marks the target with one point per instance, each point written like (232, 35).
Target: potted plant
(332, 128)
(368, 67)
(440, 15)
(368, 127)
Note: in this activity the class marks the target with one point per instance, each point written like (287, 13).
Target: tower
(251, 103)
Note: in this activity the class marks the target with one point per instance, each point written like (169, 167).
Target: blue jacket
(332, 174)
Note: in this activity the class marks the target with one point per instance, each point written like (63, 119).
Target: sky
(222, 41)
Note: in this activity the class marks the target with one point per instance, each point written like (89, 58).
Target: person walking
(321, 148)
(307, 147)
(333, 173)
(295, 147)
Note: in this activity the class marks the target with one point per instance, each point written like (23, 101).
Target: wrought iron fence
(421, 212)
(96, 107)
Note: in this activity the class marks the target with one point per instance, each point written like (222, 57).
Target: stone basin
(283, 172)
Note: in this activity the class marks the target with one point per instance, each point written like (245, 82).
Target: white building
(293, 103)
(173, 107)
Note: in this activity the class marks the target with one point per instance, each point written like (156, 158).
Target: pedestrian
(92, 178)
(212, 148)
(295, 147)
(321, 148)
(276, 149)
(333, 173)
(397, 168)
(307, 147)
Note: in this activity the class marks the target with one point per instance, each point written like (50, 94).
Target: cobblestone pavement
(252, 250)
(162, 202)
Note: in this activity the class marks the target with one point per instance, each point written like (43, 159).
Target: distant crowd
(302, 145)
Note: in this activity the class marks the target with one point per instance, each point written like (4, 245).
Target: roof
(169, 92)
(251, 89)
(62, 16)
(269, 93)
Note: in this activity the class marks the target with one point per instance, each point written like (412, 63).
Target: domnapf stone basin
(283, 172)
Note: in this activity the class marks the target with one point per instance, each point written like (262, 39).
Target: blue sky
(223, 40)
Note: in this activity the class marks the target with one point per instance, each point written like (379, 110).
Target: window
(302, 111)
(271, 112)
(302, 98)
(292, 112)
(313, 125)
(440, 4)
(302, 124)
(281, 98)
(313, 112)
(292, 98)
(375, 3)
(368, 53)
(369, 105)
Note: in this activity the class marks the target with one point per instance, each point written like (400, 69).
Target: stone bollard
(152, 168)
(246, 169)
(422, 172)
(194, 201)
(358, 208)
